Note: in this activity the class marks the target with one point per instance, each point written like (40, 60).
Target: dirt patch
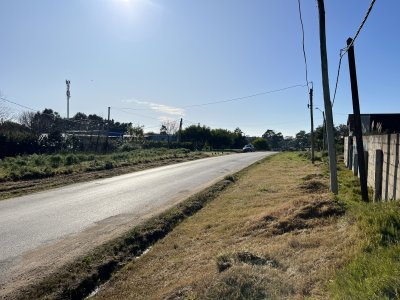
(302, 215)
(314, 186)
(313, 176)
(225, 261)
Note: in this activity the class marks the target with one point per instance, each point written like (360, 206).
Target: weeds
(47, 165)
(374, 270)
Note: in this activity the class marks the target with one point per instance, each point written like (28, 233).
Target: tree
(302, 139)
(5, 112)
(239, 139)
(274, 139)
(46, 121)
(169, 127)
(261, 144)
(26, 118)
(136, 133)
(197, 135)
(221, 138)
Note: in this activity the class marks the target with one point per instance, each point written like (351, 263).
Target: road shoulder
(275, 233)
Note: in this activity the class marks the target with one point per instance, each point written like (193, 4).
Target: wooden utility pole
(357, 120)
(180, 131)
(327, 100)
(323, 132)
(108, 127)
(312, 125)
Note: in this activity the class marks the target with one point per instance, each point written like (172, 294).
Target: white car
(248, 148)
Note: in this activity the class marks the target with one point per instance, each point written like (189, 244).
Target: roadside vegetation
(271, 235)
(22, 175)
(47, 165)
(373, 271)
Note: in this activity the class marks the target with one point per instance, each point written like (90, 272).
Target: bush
(55, 161)
(108, 165)
(261, 144)
(71, 159)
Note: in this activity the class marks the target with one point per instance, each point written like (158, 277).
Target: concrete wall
(389, 144)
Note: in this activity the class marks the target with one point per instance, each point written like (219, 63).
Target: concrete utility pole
(357, 120)
(312, 125)
(327, 100)
(68, 83)
(323, 128)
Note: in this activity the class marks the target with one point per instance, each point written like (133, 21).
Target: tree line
(47, 131)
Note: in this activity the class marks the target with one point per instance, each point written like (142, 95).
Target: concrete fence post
(378, 175)
(350, 155)
(387, 168)
(396, 168)
(366, 157)
(355, 164)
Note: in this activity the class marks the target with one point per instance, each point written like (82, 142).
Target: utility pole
(323, 128)
(327, 100)
(180, 131)
(68, 83)
(108, 127)
(312, 125)
(357, 120)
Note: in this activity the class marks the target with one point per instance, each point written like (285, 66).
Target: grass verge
(275, 234)
(373, 271)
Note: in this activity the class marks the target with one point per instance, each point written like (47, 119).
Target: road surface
(44, 229)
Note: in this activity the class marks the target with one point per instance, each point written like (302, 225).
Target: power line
(337, 76)
(303, 43)
(344, 50)
(361, 26)
(84, 122)
(15, 103)
(135, 114)
(217, 102)
(246, 97)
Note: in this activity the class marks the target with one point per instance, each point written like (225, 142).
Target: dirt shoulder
(276, 233)
(10, 188)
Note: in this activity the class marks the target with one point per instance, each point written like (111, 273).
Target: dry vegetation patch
(247, 243)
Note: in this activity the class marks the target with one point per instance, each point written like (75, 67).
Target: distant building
(376, 123)
(156, 137)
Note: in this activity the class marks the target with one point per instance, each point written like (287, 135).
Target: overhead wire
(344, 50)
(303, 43)
(84, 122)
(246, 97)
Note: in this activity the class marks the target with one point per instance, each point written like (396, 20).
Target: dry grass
(268, 236)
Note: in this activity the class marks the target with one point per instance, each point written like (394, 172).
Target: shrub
(261, 144)
(108, 165)
(71, 159)
(55, 161)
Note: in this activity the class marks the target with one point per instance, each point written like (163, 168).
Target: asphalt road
(32, 221)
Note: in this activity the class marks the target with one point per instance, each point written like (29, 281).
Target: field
(24, 174)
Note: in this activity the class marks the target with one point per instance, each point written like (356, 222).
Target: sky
(157, 60)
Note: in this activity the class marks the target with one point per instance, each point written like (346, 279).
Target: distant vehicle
(248, 148)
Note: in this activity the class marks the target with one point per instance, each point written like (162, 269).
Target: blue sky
(162, 56)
